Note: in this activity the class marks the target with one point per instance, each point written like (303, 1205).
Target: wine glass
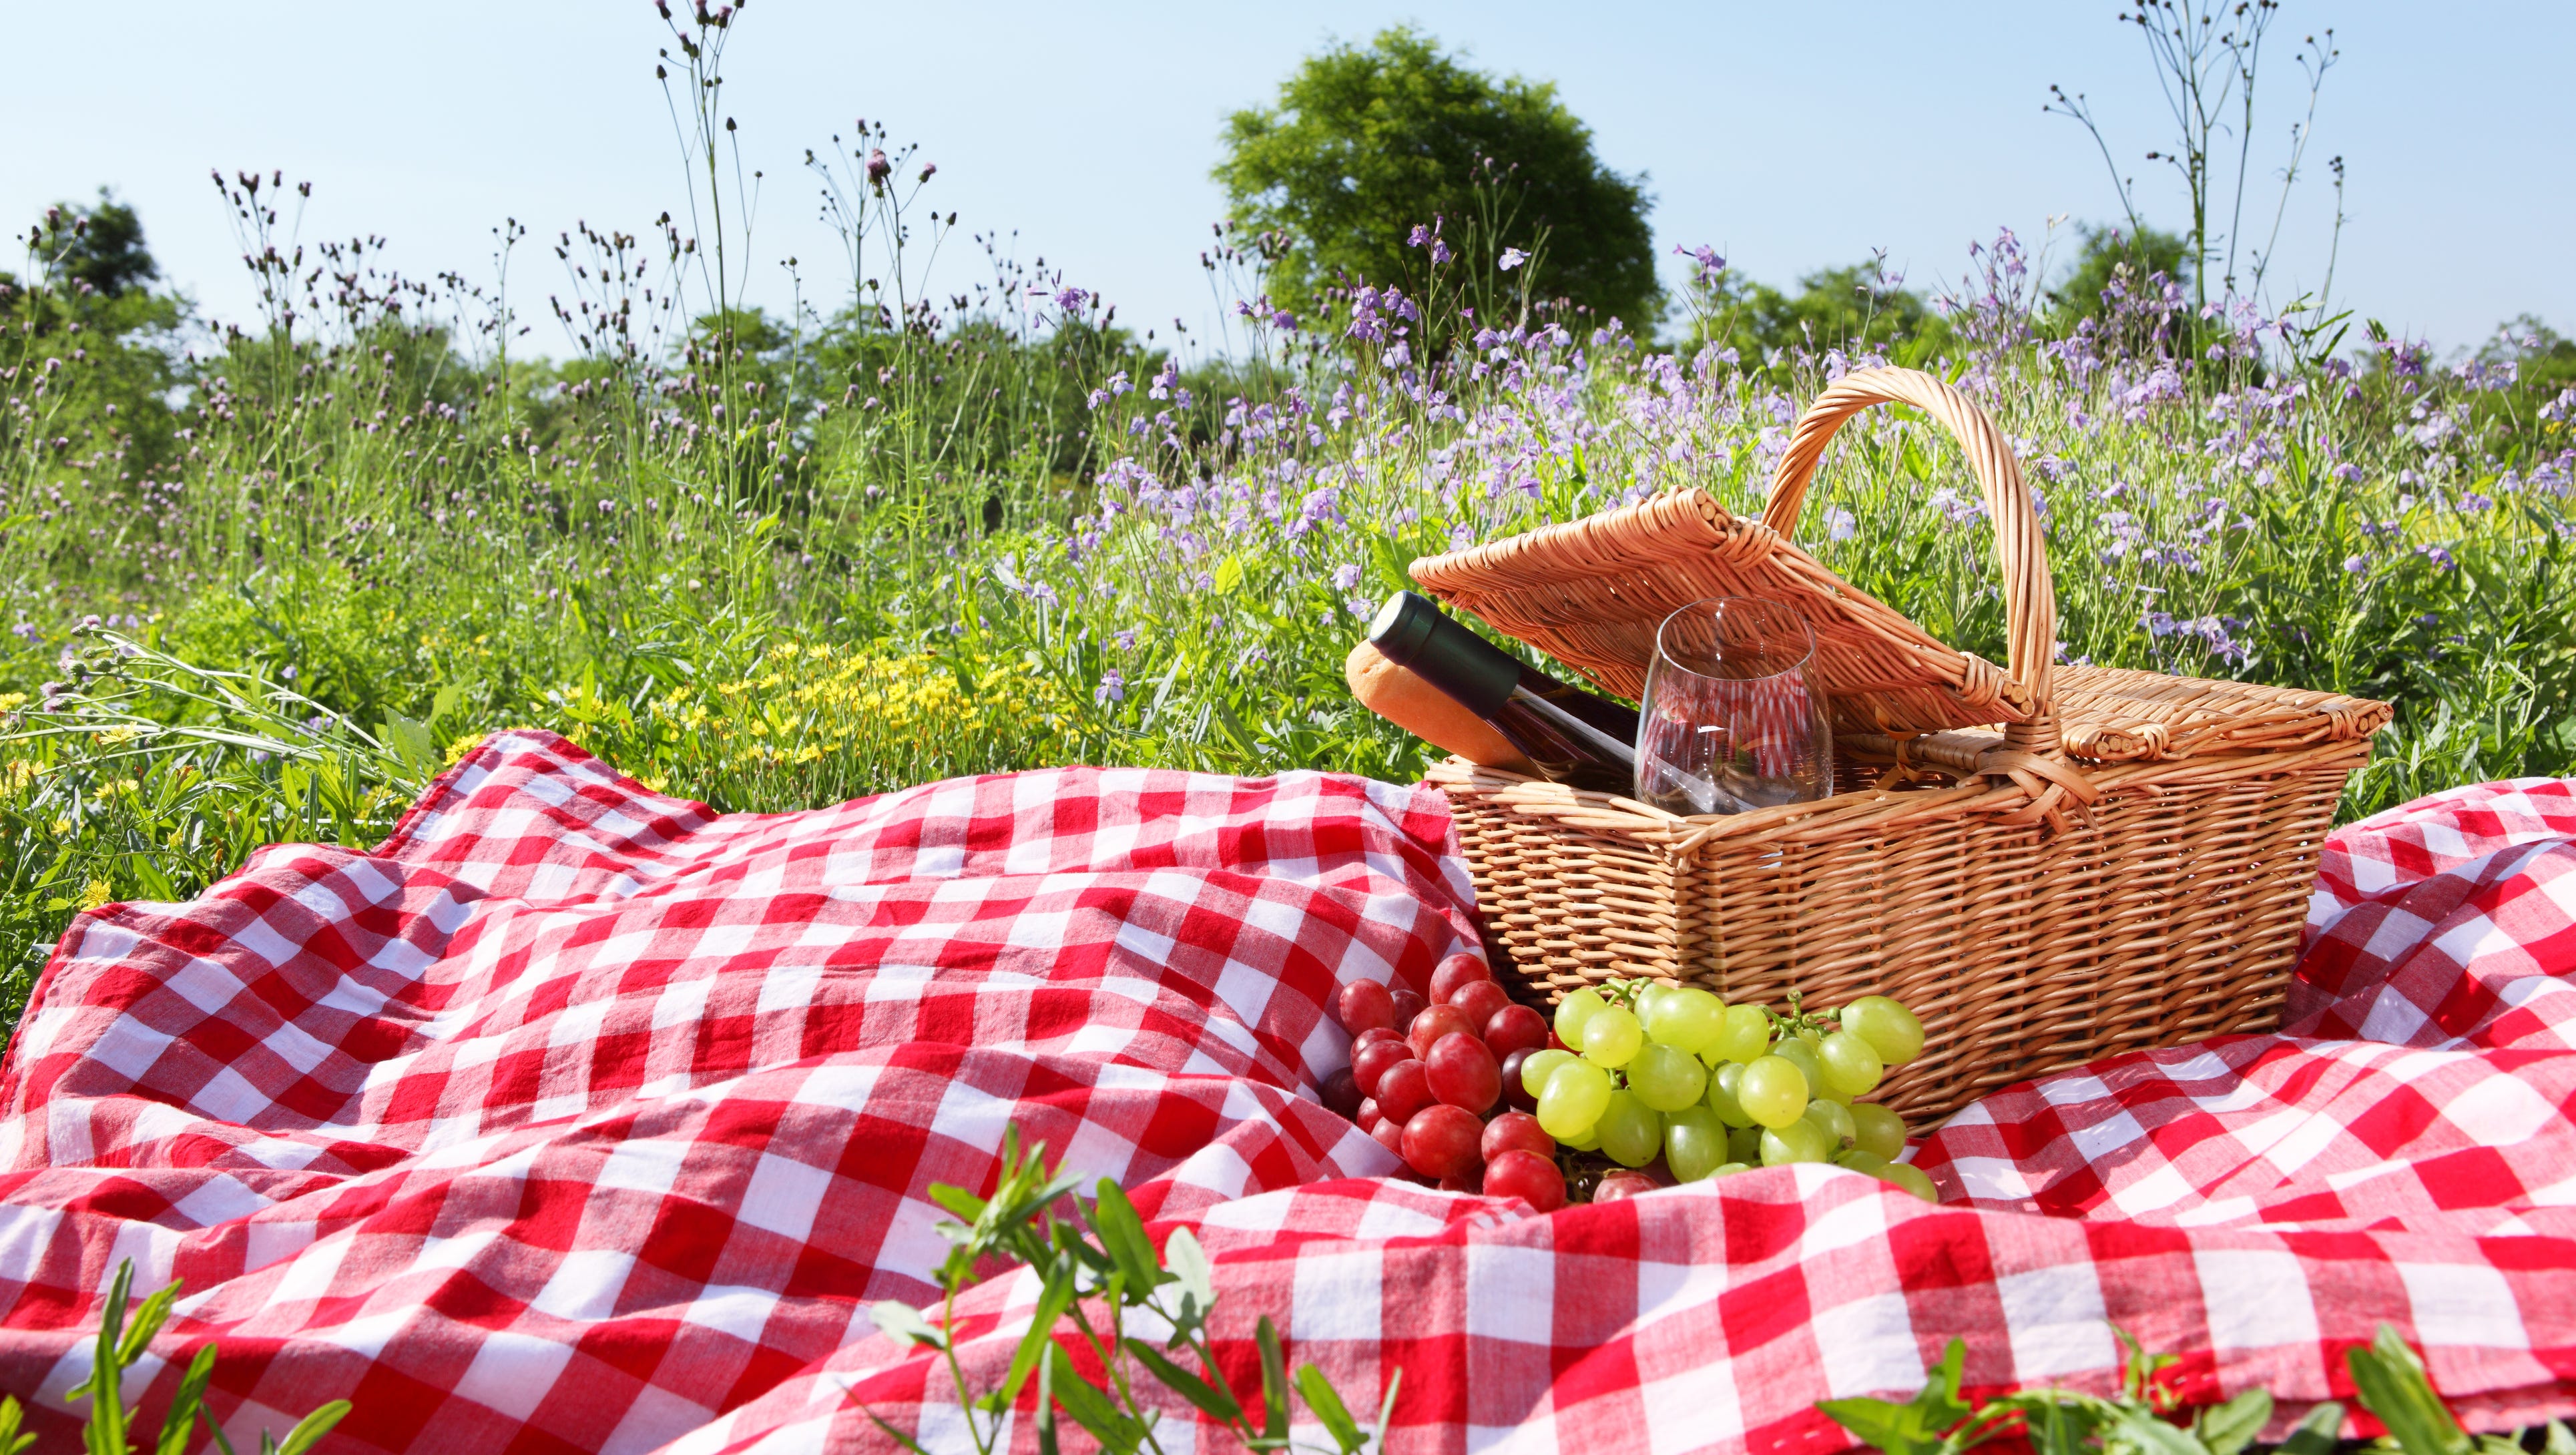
(1733, 720)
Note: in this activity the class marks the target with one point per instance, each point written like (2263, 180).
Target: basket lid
(1592, 592)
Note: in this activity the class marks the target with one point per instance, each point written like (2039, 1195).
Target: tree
(2144, 252)
(87, 314)
(104, 249)
(1366, 143)
(1855, 308)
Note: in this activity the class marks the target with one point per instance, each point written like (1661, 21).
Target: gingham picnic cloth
(575, 1117)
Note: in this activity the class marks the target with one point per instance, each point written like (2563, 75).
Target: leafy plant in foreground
(2139, 1419)
(110, 1423)
(1103, 1255)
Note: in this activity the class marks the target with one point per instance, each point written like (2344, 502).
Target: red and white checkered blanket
(579, 1118)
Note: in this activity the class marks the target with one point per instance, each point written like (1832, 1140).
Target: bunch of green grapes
(1650, 1068)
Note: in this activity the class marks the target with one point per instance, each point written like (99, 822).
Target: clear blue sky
(1792, 137)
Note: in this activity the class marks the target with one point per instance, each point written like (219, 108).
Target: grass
(775, 562)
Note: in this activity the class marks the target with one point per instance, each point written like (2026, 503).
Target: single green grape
(1832, 1119)
(1648, 996)
(1862, 1161)
(1541, 1065)
(1577, 1007)
(1573, 1100)
(1745, 1035)
(1694, 1142)
(1891, 1029)
(1911, 1178)
(1631, 1131)
(1772, 1091)
(1803, 1056)
(1721, 1095)
(1852, 1065)
(1666, 1078)
(1799, 1141)
(1611, 1037)
(1744, 1144)
(1729, 1169)
(1687, 1018)
(1876, 1129)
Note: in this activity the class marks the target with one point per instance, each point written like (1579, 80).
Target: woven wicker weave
(2047, 863)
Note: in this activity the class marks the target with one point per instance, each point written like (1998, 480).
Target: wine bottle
(1570, 735)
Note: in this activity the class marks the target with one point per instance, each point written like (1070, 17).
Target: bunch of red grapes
(1424, 1076)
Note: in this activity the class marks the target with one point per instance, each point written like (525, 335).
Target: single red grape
(1369, 1115)
(1371, 1064)
(1404, 1088)
(1372, 1036)
(1407, 1006)
(1462, 1072)
(1516, 1095)
(1342, 1093)
(1363, 1004)
(1440, 1141)
(1526, 1175)
(1455, 971)
(1479, 999)
(1438, 1021)
(1516, 1129)
(1624, 1183)
(1517, 1028)
(1389, 1133)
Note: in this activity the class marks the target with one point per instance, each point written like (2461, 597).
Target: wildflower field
(780, 561)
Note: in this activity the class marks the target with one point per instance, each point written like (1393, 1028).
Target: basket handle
(2030, 600)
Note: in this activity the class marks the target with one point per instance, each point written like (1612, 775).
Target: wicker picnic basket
(2048, 863)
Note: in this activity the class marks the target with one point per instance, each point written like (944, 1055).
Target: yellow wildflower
(93, 894)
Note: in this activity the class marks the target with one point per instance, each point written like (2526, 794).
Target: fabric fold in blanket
(576, 1117)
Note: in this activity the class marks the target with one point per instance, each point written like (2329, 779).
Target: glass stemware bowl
(1733, 721)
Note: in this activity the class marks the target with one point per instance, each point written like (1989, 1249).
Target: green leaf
(957, 1201)
(1386, 1407)
(2391, 1382)
(1053, 1300)
(1229, 575)
(2152, 1436)
(2055, 1426)
(411, 741)
(1046, 1404)
(1218, 1405)
(2232, 1426)
(1325, 1403)
(2315, 1434)
(904, 1323)
(1188, 1262)
(146, 1323)
(105, 1429)
(1090, 1408)
(2556, 1439)
(1915, 1427)
(11, 1416)
(308, 1432)
(1122, 1233)
(898, 1436)
(1274, 1380)
(181, 1421)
